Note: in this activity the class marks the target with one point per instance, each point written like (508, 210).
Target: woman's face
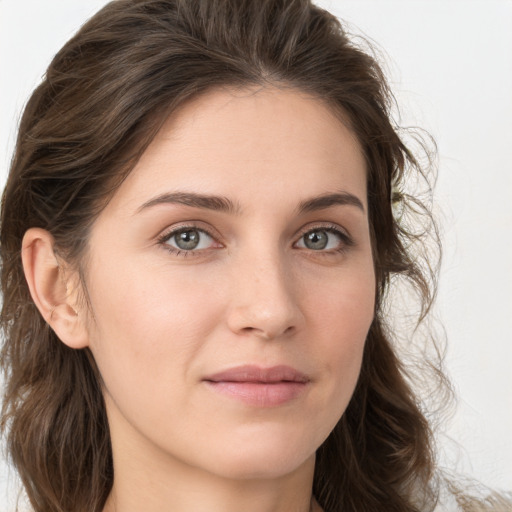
(232, 287)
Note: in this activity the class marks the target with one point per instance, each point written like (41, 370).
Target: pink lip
(262, 387)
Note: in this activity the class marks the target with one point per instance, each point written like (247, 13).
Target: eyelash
(346, 240)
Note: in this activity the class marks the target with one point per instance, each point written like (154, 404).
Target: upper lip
(253, 373)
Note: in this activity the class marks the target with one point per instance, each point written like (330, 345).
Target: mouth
(260, 387)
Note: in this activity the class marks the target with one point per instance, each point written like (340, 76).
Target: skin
(253, 292)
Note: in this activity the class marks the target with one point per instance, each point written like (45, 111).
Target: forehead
(250, 143)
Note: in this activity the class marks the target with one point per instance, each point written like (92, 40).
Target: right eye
(186, 240)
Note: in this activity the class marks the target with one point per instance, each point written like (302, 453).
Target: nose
(265, 299)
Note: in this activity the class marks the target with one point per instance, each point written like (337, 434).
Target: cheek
(344, 303)
(149, 323)
(341, 317)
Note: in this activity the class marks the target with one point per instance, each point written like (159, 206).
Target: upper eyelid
(173, 230)
(326, 226)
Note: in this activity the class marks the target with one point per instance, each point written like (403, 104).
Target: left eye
(320, 240)
(189, 239)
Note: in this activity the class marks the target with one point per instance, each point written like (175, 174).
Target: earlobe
(48, 284)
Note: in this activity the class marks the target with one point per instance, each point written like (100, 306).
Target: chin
(266, 455)
(262, 468)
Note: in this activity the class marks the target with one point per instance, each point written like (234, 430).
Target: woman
(209, 201)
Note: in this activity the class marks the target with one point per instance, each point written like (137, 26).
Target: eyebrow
(226, 205)
(328, 200)
(209, 202)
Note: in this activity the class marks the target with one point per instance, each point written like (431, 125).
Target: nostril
(267, 334)
(256, 332)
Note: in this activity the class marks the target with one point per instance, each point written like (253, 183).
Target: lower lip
(260, 394)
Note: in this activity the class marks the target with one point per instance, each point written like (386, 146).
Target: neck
(171, 485)
(157, 493)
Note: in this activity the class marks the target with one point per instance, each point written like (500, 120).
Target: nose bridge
(265, 301)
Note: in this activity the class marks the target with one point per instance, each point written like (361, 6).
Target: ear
(49, 283)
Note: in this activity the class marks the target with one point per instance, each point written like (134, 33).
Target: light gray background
(450, 63)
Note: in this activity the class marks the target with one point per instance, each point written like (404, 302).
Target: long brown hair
(102, 100)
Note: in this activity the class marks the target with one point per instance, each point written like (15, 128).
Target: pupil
(316, 240)
(187, 239)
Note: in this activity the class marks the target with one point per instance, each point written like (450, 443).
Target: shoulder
(465, 497)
